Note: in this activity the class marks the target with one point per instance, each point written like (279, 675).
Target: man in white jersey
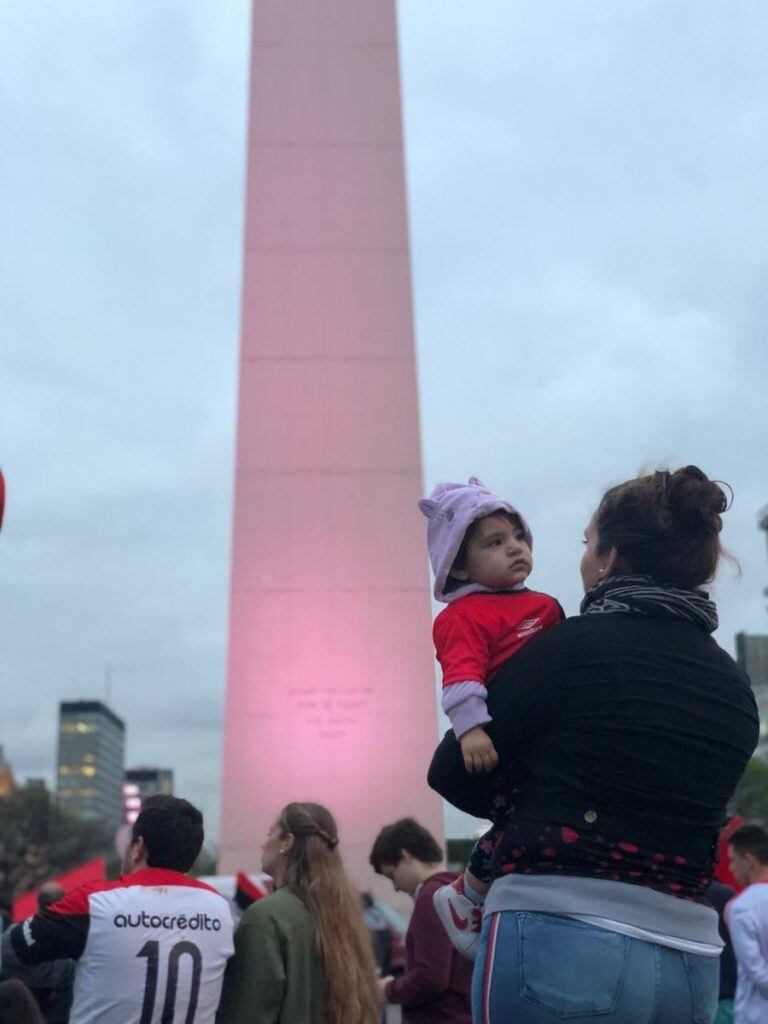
(151, 947)
(747, 918)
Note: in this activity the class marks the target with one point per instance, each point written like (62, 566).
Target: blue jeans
(545, 969)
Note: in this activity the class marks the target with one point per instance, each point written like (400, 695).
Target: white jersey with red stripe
(151, 948)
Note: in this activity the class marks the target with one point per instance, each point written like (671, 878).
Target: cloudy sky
(589, 220)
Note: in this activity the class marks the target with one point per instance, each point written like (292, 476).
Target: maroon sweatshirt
(435, 988)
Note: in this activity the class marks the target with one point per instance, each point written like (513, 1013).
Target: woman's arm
(254, 982)
(523, 701)
(469, 791)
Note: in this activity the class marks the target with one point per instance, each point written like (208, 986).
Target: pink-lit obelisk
(330, 678)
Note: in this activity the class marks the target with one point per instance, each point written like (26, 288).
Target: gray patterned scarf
(642, 595)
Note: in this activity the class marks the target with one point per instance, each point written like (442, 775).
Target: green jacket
(276, 975)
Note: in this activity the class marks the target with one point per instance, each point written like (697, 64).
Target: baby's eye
(496, 542)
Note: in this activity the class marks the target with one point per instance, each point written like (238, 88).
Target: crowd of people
(604, 750)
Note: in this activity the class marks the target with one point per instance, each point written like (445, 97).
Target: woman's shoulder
(281, 905)
(626, 638)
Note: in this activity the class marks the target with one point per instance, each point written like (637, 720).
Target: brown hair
(404, 835)
(315, 873)
(172, 830)
(665, 525)
(750, 839)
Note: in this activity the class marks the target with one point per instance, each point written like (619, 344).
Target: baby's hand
(478, 750)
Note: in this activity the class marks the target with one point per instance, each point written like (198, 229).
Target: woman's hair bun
(696, 500)
(665, 525)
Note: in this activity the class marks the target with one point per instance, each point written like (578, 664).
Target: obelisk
(330, 693)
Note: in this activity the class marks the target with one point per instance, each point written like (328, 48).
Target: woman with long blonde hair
(302, 955)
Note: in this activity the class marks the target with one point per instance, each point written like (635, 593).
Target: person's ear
(286, 843)
(138, 850)
(405, 857)
(611, 565)
(459, 574)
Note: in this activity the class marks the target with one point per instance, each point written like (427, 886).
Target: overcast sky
(589, 220)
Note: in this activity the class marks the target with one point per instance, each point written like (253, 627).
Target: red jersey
(476, 633)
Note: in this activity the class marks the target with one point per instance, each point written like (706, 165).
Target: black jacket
(50, 983)
(620, 723)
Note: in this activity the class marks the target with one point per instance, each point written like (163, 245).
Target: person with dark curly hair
(622, 734)
(435, 986)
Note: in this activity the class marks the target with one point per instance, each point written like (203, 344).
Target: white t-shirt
(150, 947)
(747, 918)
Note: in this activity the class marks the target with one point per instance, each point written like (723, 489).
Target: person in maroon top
(435, 986)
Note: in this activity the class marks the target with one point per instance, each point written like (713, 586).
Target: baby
(480, 549)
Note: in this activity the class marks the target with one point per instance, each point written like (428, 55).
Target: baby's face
(498, 555)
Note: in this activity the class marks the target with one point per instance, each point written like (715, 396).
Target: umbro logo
(529, 623)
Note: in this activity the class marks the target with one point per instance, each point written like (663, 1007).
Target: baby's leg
(478, 874)
(459, 905)
(473, 887)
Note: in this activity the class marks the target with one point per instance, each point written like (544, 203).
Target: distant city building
(7, 781)
(36, 782)
(90, 762)
(141, 783)
(762, 522)
(752, 656)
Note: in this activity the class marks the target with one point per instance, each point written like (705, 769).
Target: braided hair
(314, 872)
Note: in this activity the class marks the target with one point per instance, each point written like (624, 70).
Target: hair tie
(310, 828)
(333, 843)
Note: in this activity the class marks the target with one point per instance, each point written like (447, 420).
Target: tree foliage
(458, 852)
(39, 840)
(751, 797)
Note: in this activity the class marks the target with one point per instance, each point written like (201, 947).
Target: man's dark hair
(407, 835)
(750, 839)
(172, 830)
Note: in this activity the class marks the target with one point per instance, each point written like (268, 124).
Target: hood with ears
(450, 510)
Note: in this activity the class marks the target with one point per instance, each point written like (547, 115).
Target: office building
(752, 656)
(762, 522)
(90, 762)
(141, 783)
